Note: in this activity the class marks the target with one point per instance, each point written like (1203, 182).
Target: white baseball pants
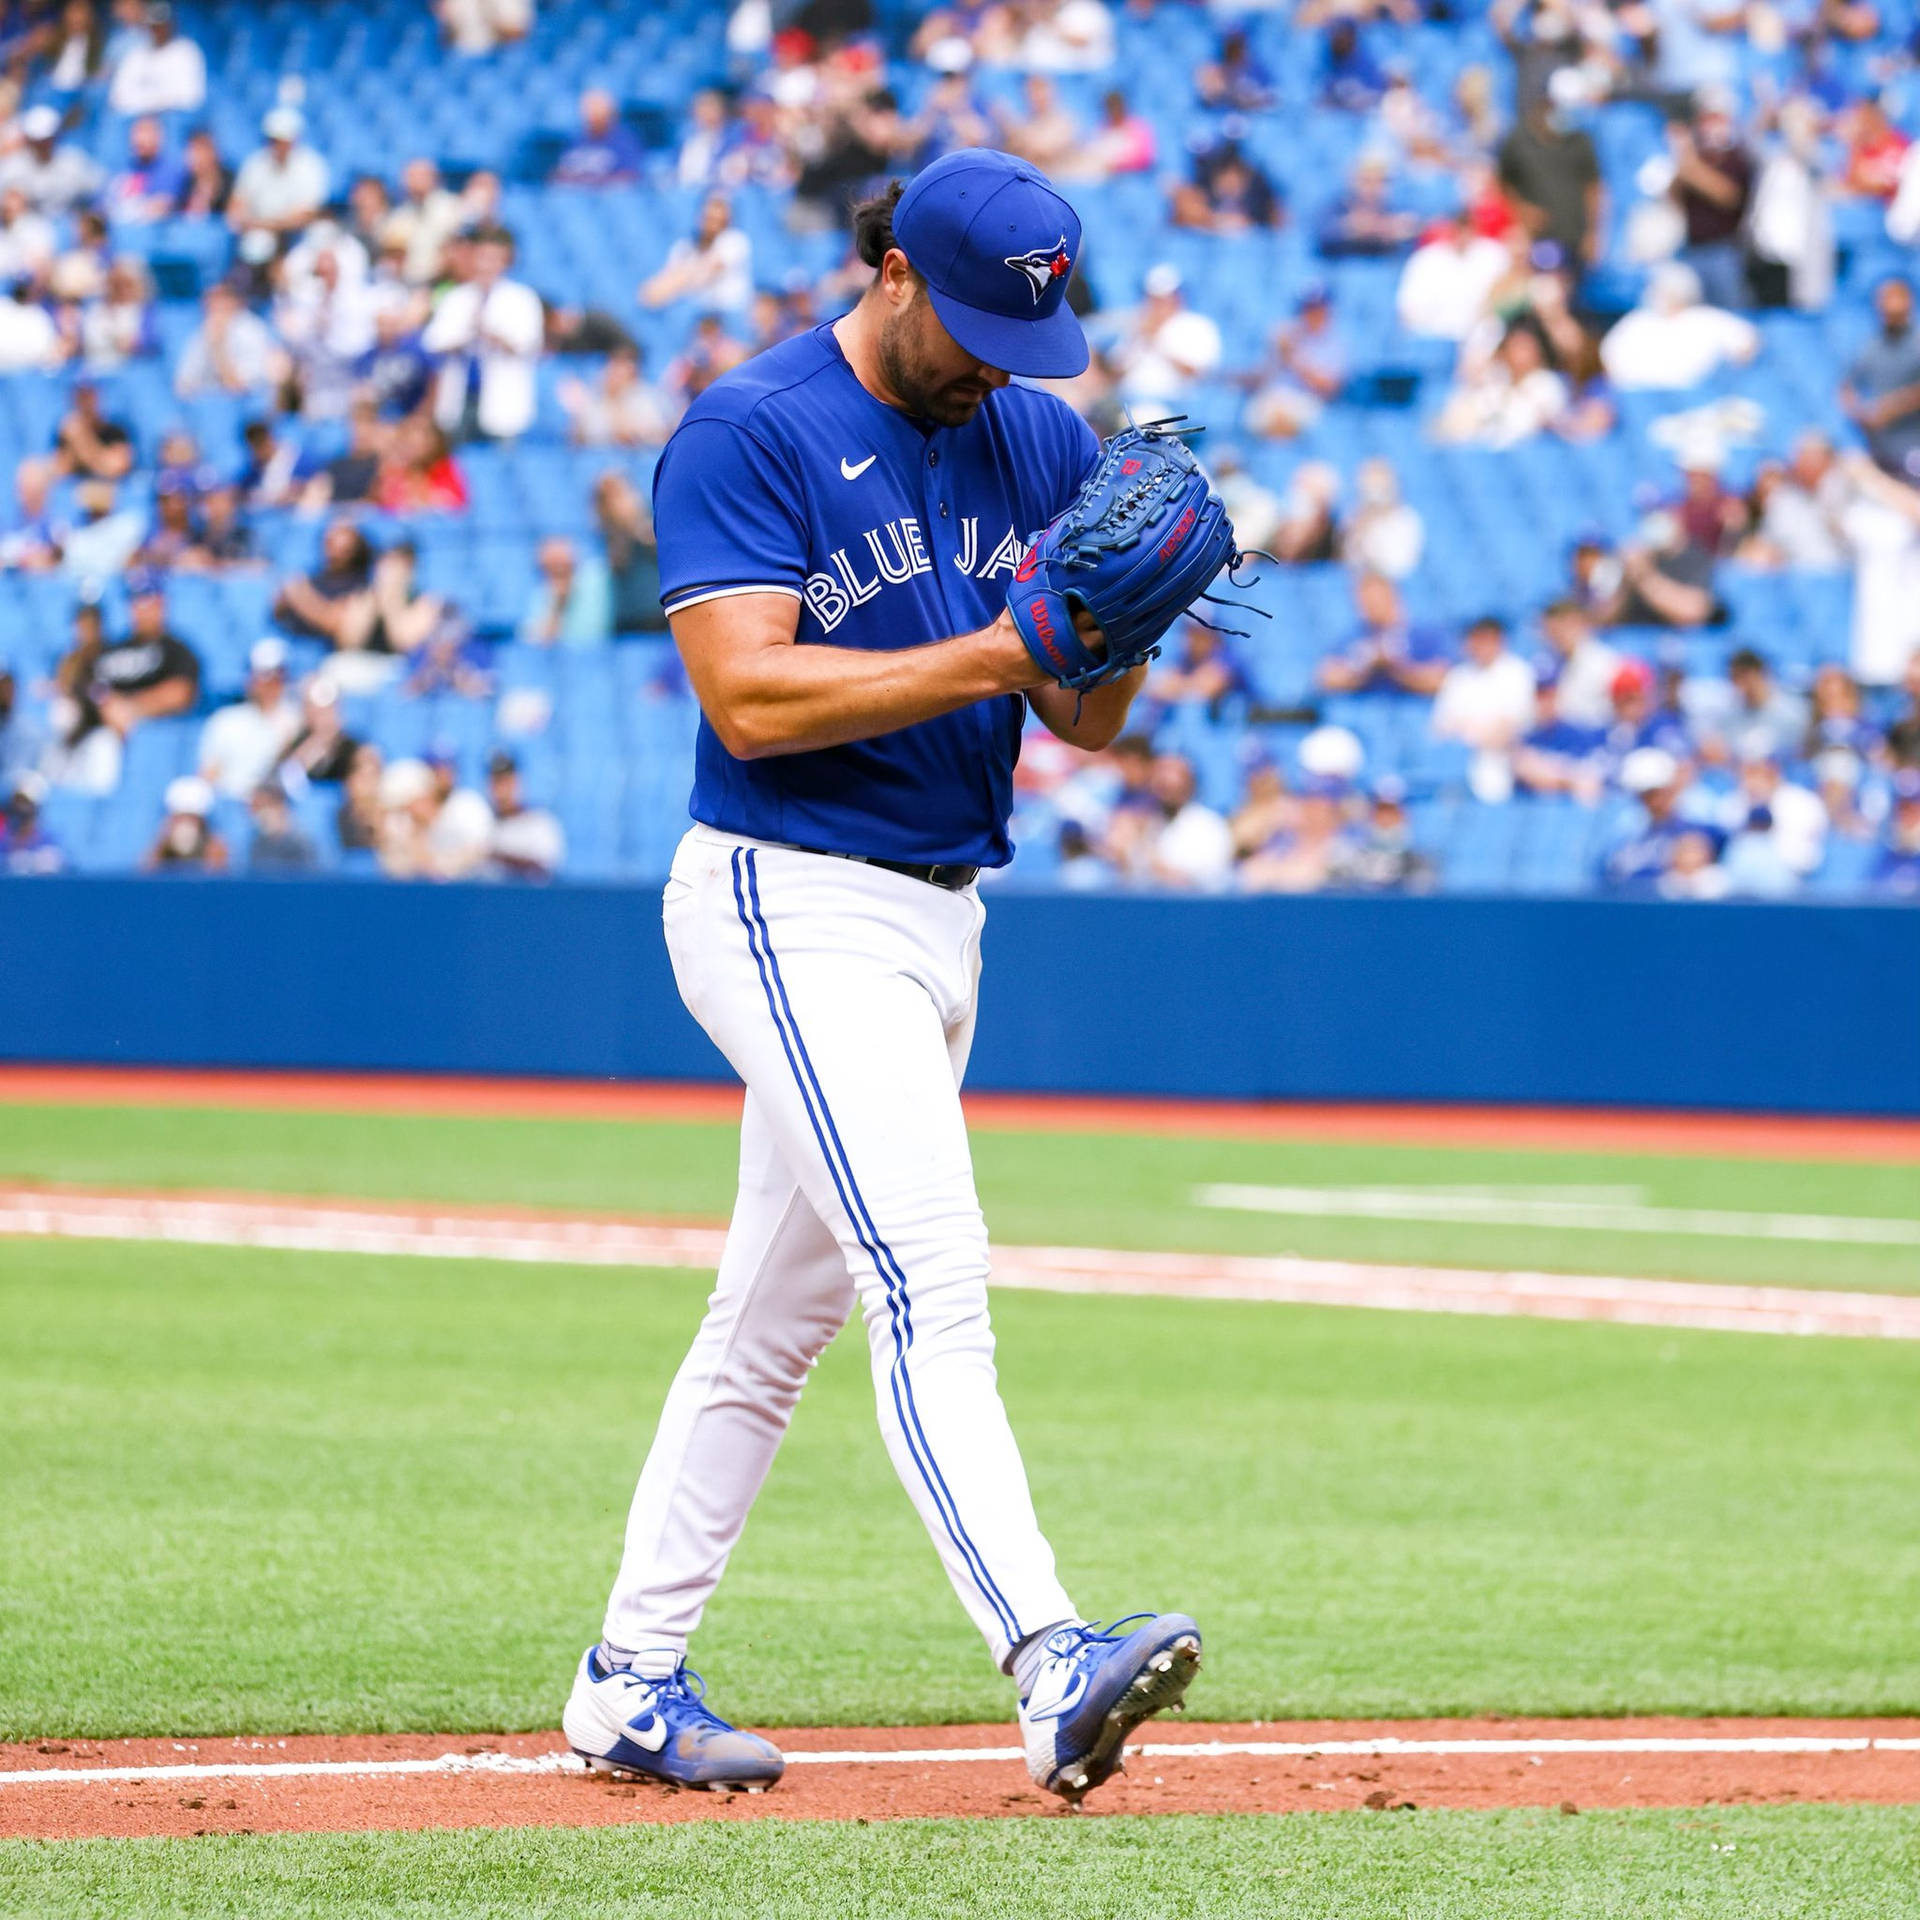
(844, 997)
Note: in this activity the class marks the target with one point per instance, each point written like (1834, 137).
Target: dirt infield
(1543, 1129)
(399, 1781)
(526, 1234)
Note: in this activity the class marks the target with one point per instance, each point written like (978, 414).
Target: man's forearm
(1090, 720)
(765, 695)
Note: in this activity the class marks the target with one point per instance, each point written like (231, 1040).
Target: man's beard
(947, 403)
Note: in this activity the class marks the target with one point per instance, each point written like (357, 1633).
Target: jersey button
(933, 457)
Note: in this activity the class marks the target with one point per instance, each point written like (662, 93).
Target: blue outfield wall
(1792, 1008)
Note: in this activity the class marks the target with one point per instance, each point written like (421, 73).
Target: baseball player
(840, 522)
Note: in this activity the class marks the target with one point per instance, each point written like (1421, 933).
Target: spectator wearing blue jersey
(26, 846)
(1306, 371)
(1642, 718)
(1644, 852)
(1350, 77)
(1236, 79)
(1558, 755)
(146, 188)
(1229, 192)
(1363, 223)
(1897, 872)
(1387, 653)
(607, 153)
(1199, 670)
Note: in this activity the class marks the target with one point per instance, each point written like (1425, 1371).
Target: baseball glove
(1142, 541)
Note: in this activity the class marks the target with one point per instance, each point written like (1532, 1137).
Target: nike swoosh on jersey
(854, 473)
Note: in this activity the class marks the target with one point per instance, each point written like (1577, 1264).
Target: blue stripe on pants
(893, 1279)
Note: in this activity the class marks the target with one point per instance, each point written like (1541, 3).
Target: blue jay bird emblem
(1042, 267)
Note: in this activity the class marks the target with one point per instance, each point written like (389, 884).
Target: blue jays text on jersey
(787, 476)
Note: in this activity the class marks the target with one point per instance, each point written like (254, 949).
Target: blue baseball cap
(996, 246)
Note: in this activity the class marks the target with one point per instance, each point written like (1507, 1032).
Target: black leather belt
(949, 875)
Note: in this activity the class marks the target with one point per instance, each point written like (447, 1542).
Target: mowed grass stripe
(1039, 1188)
(295, 1492)
(1722, 1863)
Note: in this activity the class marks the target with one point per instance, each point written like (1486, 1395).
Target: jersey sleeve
(725, 518)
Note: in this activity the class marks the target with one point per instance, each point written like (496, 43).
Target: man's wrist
(1014, 669)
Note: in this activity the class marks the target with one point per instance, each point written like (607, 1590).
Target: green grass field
(273, 1492)
(1727, 1863)
(1112, 1190)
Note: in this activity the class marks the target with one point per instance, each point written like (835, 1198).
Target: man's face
(1564, 633)
(144, 139)
(268, 687)
(503, 789)
(929, 371)
(556, 560)
(419, 178)
(1172, 782)
(1483, 645)
(1895, 302)
(1751, 685)
(1379, 606)
(715, 218)
(489, 262)
(149, 615)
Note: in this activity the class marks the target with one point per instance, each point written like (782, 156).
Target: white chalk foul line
(322, 1227)
(568, 1763)
(1583, 1213)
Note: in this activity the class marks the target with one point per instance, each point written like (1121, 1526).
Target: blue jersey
(787, 476)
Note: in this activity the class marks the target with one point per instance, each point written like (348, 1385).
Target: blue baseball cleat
(1095, 1688)
(661, 1729)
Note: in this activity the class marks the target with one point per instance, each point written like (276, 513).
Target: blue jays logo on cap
(1043, 266)
(996, 246)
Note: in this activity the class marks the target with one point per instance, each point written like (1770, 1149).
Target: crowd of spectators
(378, 328)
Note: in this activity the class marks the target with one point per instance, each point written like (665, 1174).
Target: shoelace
(686, 1689)
(1095, 1635)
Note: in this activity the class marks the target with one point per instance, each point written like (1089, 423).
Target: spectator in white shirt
(620, 409)
(29, 341)
(54, 177)
(427, 217)
(1167, 346)
(28, 242)
(715, 265)
(1584, 667)
(488, 334)
(1383, 534)
(326, 317)
(1445, 284)
(167, 73)
(1194, 845)
(1487, 699)
(281, 186)
(478, 26)
(1505, 396)
(242, 744)
(528, 842)
(231, 351)
(1672, 341)
(1782, 825)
